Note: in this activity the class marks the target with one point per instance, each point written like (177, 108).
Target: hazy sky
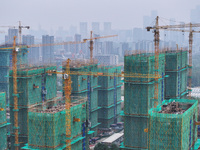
(124, 14)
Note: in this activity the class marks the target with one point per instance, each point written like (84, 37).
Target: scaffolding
(47, 124)
(6, 63)
(175, 129)
(86, 86)
(109, 96)
(34, 87)
(139, 97)
(176, 69)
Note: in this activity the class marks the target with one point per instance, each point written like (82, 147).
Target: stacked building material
(172, 125)
(139, 97)
(109, 96)
(34, 86)
(176, 70)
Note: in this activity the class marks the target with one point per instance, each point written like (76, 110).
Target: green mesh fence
(3, 122)
(171, 85)
(105, 123)
(22, 141)
(183, 81)
(134, 135)
(94, 99)
(105, 98)
(3, 119)
(30, 82)
(176, 70)
(30, 85)
(173, 131)
(4, 69)
(139, 98)
(173, 60)
(3, 138)
(106, 113)
(142, 64)
(80, 88)
(79, 82)
(184, 59)
(22, 121)
(94, 119)
(107, 82)
(47, 130)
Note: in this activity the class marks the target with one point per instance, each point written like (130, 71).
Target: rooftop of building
(57, 105)
(174, 107)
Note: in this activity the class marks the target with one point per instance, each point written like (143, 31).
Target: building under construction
(6, 63)
(172, 125)
(47, 125)
(139, 97)
(95, 103)
(84, 85)
(150, 126)
(109, 96)
(34, 88)
(176, 69)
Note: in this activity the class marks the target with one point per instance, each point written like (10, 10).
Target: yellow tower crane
(92, 43)
(156, 29)
(67, 87)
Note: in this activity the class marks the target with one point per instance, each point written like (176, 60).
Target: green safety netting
(173, 131)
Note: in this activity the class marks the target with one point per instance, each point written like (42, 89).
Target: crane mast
(67, 90)
(67, 83)
(92, 43)
(156, 44)
(156, 29)
(190, 61)
(91, 47)
(14, 67)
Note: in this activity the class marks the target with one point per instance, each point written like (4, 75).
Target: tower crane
(156, 29)
(67, 84)
(92, 43)
(67, 88)
(20, 27)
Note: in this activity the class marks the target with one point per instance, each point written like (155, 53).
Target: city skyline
(51, 15)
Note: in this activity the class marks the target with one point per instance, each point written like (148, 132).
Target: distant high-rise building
(47, 51)
(72, 30)
(68, 46)
(108, 48)
(33, 55)
(77, 38)
(137, 34)
(125, 47)
(11, 33)
(95, 27)
(107, 59)
(83, 29)
(173, 35)
(107, 27)
(194, 17)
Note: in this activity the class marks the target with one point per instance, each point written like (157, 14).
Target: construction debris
(172, 108)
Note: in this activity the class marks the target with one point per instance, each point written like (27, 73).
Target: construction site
(157, 113)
